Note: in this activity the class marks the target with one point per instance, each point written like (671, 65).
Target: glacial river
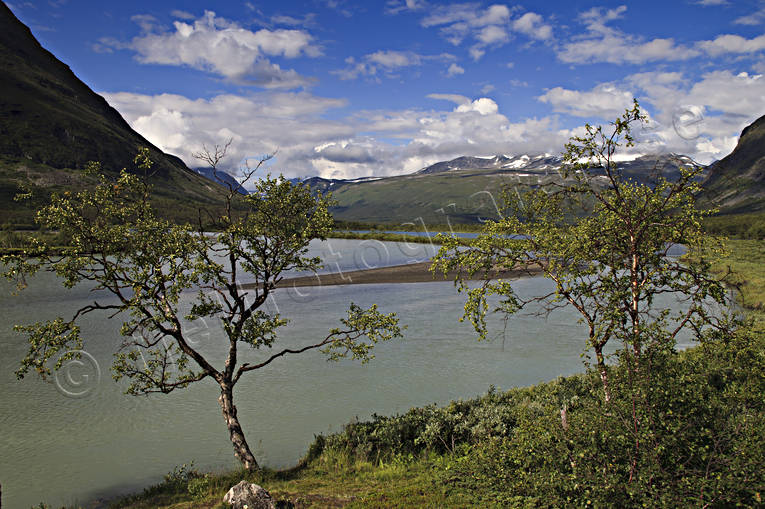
(80, 438)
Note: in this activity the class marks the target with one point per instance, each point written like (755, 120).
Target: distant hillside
(736, 183)
(221, 177)
(465, 189)
(52, 124)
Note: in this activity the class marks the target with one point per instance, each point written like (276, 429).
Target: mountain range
(465, 189)
(52, 124)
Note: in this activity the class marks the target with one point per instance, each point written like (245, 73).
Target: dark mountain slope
(736, 183)
(52, 124)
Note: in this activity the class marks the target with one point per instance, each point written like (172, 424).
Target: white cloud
(601, 43)
(309, 144)
(699, 118)
(177, 13)
(756, 18)
(394, 59)
(308, 20)
(533, 25)
(386, 62)
(222, 47)
(605, 101)
(489, 28)
(258, 123)
(704, 118)
(397, 6)
(455, 98)
(454, 70)
(729, 43)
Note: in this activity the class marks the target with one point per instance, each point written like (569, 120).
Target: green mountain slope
(464, 190)
(736, 183)
(52, 124)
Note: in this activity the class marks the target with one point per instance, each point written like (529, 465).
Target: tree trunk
(602, 369)
(241, 449)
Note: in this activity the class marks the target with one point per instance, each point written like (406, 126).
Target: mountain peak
(52, 124)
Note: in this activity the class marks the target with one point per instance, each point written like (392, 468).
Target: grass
(389, 237)
(746, 261)
(331, 480)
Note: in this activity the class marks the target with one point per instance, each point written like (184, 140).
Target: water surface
(63, 449)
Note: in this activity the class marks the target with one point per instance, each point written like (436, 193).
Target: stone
(247, 495)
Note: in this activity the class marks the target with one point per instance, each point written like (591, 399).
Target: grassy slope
(422, 198)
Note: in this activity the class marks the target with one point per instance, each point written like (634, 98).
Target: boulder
(250, 496)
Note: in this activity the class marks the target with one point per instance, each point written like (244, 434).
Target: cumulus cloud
(488, 28)
(345, 151)
(454, 70)
(222, 47)
(533, 25)
(602, 43)
(700, 118)
(455, 98)
(177, 13)
(394, 142)
(605, 101)
(703, 118)
(258, 123)
(386, 62)
(397, 6)
(729, 43)
(756, 18)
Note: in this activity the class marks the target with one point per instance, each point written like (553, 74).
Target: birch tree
(144, 267)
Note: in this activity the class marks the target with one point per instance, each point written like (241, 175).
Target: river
(81, 438)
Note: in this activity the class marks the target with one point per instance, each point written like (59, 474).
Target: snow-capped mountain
(537, 162)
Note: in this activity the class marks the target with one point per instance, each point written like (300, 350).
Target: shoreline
(410, 273)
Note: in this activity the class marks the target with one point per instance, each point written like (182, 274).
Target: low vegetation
(741, 226)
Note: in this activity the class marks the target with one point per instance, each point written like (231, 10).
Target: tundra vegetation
(146, 267)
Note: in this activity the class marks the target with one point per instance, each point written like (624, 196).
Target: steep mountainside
(736, 183)
(52, 124)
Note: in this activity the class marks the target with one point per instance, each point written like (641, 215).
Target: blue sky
(348, 89)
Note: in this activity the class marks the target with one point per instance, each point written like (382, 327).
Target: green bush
(199, 487)
(701, 439)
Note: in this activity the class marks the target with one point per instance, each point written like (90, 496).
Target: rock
(250, 496)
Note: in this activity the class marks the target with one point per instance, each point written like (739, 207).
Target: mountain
(52, 124)
(736, 183)
(499, 162)
(221, 177)
(465, 189)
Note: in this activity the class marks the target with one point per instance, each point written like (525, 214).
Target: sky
(347, 89)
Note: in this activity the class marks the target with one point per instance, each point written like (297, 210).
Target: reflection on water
(95, 441)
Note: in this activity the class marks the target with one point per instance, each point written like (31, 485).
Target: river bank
(410, 273)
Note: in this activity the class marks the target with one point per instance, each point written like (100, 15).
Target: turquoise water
(83, 438)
